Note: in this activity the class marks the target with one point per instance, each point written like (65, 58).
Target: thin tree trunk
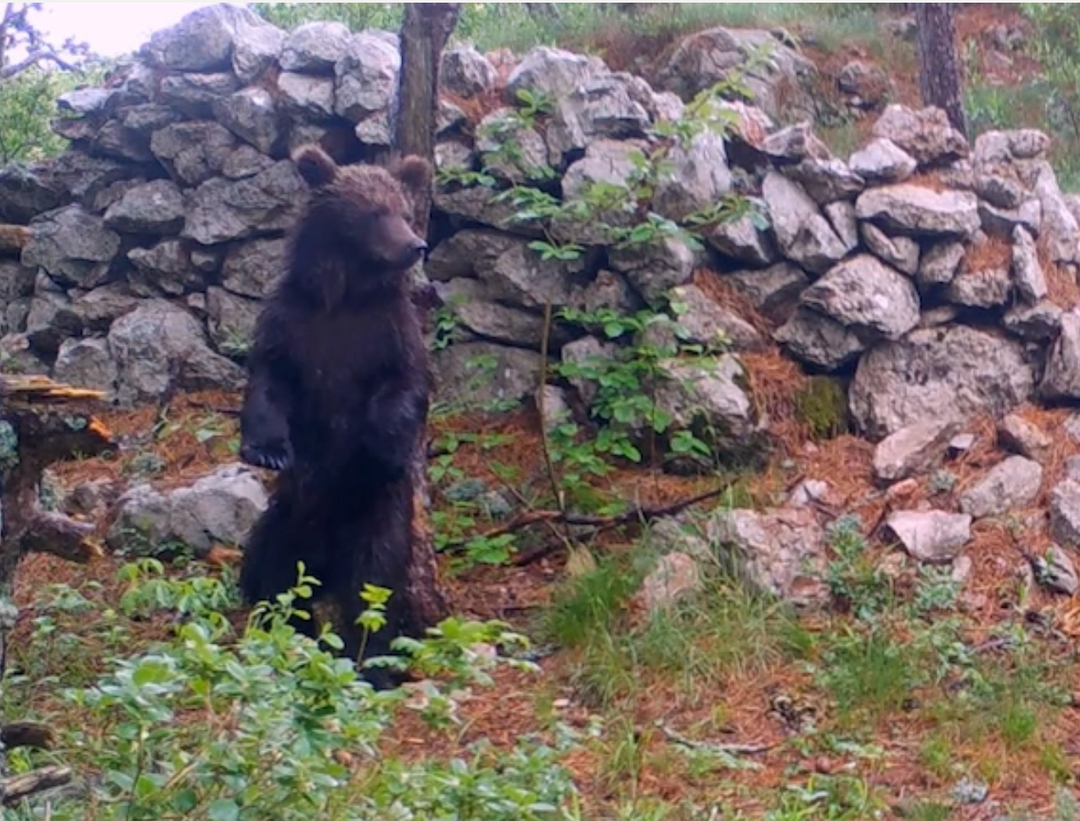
(424, 33)
(939, 62)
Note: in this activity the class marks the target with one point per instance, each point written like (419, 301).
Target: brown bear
(337, 399)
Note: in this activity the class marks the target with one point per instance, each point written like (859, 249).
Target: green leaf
(223, 809)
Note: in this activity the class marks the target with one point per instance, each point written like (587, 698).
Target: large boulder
(253, 268)
(315, 48)
(366, 77)
(802, 232)
(925, 134)
(218, 509)
(193, 152)
(553, 72)
(72, 246)
(222, 210)
(477, 373)
(252, 115)
(938, 373)
(695, 177)
(866, 296)
(203, 40)
(159, 347)
(915, 210)
(781, 553)
(597, 109)
(780, 85)
(152, 208)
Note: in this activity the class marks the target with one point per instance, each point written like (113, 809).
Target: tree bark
(424, 33)
(939, 62)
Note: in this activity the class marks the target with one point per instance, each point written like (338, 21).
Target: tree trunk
(939, 63)
(424, 33)
(41, 422)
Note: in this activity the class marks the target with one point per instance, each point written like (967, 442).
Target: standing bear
(337, 399)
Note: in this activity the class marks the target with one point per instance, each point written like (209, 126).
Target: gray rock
(115, 140)
(152, 208)
(158, 348)
(774, 291)
(256, 47)
(882, 161)
(1037, 323)
(251, 114)
(554, 406)
(1002, 222)
(870, 298)
(202, 41)
(27, 192)
(794, 144)
(220, 508)
(914, 449)
(314, 48)
(222, 210)
(607, 290)
(695, 177)
(989, 288)
(866, 85)
(453, 154)
(587, 353)
(841, 215)
(476, 373)
(466, 72)
(1059, 230)
(194, 95)
(528, 161)
(366, 77)
(655, 268)
(938, 265)
(245, 161)
(481, 205)
(900, 252)
(931, 536)
(780, 85)
(468, 299)
(804, 235)
(675, 576)
(1056, 570)
(520, 277)
(1064, 505)
(16, 280)
(938, 373)
(466, 252)
(74, 247)
(1061, 379)
(50, 321)
(165, 268)
(86, 363)
(230, 320)
(99, 308)
(925, 134)
(826, 180)
(1011, 484)
(553, 72)
(912, 209)
(742, 240)
(603, 108)
(704, 320)
(777, 552)
(307, 97)
(252, 268)
(193, 152)
(819, 339)
(1022, 437)
(1026, 269)
(84, 100)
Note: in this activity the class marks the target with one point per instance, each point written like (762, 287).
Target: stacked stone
(157, 233)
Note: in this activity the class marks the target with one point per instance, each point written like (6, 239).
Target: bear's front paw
(276, 456)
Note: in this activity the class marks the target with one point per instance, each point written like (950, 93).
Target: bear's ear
(315, 166)
(414, 173)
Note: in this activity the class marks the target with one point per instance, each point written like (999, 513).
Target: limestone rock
(1011, 484)
(931, 536)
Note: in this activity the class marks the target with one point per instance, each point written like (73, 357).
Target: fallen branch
(636, 513)
(18, 787)
(711, 747)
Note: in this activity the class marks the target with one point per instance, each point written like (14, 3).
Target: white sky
(111, 29)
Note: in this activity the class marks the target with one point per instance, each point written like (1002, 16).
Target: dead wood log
(41, 422)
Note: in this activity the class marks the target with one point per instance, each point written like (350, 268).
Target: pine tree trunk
(424, 33)
(939, 62)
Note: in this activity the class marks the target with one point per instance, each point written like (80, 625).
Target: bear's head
(366, 208)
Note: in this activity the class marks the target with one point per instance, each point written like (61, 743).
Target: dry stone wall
(935, 273)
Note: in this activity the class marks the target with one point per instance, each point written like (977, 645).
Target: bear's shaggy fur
(337, 398)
